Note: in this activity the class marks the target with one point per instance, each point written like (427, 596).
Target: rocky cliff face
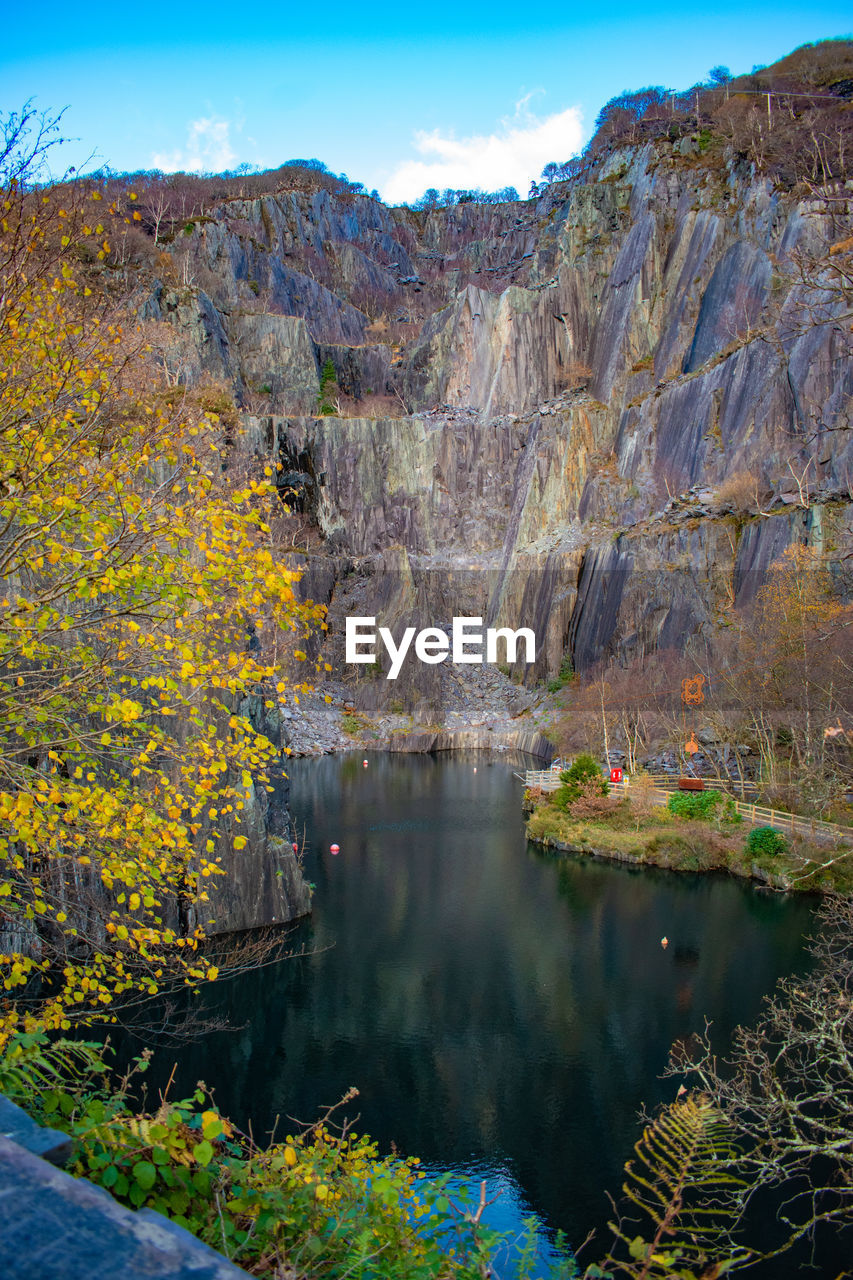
(601, 414)
(263, 884)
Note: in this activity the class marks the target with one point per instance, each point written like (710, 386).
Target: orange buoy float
(364, 764)
(334, 848)
(664, 942)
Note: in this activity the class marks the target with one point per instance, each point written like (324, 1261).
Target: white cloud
(512, 156)
(521, 105)
(208, 149)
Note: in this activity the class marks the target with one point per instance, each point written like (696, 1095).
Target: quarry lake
(503, 1013)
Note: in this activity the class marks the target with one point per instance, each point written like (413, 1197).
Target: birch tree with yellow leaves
(140, 602)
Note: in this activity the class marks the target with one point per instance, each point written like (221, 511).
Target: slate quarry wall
(606, 410)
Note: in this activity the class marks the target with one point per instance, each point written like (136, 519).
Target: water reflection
(498, 1009)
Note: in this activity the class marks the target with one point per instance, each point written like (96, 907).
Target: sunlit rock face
(602, 413)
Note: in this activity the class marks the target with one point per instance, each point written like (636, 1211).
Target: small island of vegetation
(700, 830)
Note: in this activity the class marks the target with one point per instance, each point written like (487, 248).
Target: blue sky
(399, 97)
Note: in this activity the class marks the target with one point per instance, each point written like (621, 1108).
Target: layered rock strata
(605, 414)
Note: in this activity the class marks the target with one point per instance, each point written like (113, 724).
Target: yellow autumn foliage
(139, 597)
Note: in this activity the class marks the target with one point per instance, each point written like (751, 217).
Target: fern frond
(31, 1063)
(681, 1182)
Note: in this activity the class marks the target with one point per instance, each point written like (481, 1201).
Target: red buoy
(335, 848)
(364, 764)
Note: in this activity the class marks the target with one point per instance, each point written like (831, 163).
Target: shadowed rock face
(620, 402)
(263, 884)
(732, 303)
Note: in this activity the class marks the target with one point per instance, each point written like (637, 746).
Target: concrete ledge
(17, 1126)
(55, 1227)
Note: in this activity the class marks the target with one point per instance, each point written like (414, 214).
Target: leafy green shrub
(566, 676)
(765, 840)
(351, 723)
(694, 804)
(320, 1203)
(583, 770)
(582, 767)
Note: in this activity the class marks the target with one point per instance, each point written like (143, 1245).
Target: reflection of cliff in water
(492, 1004)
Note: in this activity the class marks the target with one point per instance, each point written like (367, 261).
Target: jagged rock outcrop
(615, 406)
(263, 882)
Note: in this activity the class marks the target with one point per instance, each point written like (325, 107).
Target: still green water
(503, 1013)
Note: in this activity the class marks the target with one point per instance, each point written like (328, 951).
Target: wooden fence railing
(759, 815)
(549, 780)
(731, 786)
(544, 779)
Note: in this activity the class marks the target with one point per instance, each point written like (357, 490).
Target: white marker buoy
(364, 764)
(475, 768)
(334, 848)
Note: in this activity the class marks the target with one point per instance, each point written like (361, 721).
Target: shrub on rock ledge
(765, 840)
(694, 804)
(583, 776)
